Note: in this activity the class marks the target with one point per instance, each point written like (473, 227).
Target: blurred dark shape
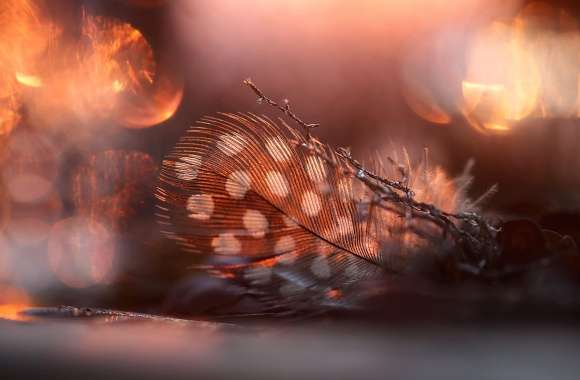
(522, 242)
(148, 3)
(525, 247)
(204, 295)
(564, 222)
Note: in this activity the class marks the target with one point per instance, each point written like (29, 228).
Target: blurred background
(93, 93)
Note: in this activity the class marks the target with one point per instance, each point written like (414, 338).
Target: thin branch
(284, 108)
(472, 233)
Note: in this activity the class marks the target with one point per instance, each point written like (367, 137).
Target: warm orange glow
(13, 312)
(12, 302)
(334, 294)
(25, 34)
(525, 68)
(424, 105)
(474, 92)
(428, 96)
(553, 37)
(117, 56)
(81, 252)
(24, 38)
(158, 106)
(106, 72)
(29, 80)
(503, 82)
(90, 79)
(496, 127)
(9, 104)
(488, 102)
(431, 185)
(126, 83)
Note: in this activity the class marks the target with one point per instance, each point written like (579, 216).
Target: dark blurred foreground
(72, 343)
(89, 349)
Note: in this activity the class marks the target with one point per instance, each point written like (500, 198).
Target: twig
(284, 108)
(473, 234)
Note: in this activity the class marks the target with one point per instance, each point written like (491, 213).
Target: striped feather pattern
(284, 221)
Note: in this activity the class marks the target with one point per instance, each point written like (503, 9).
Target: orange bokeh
(104, 72)
(9, 105)
(12, 302)
(162, 101)
(502, 83)
(505, 72)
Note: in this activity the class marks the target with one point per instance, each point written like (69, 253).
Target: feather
(291, 225)
(278, 217)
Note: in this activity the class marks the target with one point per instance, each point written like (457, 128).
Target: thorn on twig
(285, 107)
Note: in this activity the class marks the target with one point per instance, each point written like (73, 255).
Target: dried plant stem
(474, 235)
(284, 108)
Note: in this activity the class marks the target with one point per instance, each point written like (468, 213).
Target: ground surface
(140, 348)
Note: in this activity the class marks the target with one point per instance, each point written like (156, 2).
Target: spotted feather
(295, 228)
(278, 217)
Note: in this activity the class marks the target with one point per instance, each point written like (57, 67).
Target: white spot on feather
(344, 225)
(200, 206)
(256, 223)
(231, 143)
(226, 244)
(237, 184)
(278, 149)
(311, 203)
(188, 168)
(277, 183)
